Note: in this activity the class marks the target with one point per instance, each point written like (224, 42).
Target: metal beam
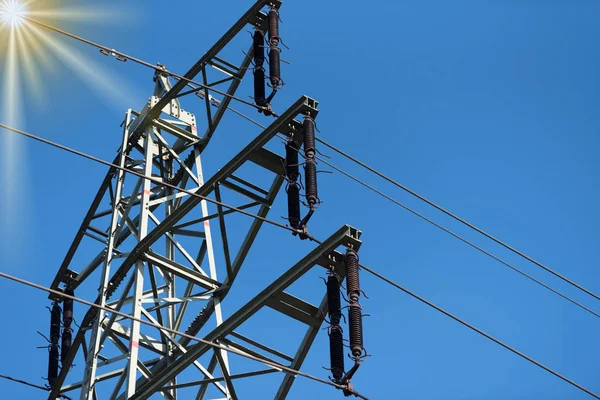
(154, 112)
(300, 106)
(162, 375)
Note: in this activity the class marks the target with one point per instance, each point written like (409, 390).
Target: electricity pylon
(154, 253)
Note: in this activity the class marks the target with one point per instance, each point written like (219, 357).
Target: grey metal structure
(154, 253)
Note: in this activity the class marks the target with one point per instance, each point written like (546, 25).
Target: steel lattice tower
(155, 257)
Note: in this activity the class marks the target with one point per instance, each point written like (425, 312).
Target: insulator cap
(310, 177)
(55, 324)
(275, 66)
(259, 87)
(65, 348)
(273, 19)
(68, 308)
(352, 281)
(356, 330)
(258, 48)
(52, 366)
(333, 299)
(53, 351)
(291, 160)
(336, 352)
(309, 137)
(293, 193)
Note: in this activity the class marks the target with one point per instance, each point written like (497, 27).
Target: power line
(479, 331)
(413, 193)
(339, 151)
(457, 218)
(31, 385)
(473, 245)
(157, 181)
(125, 56)
(439, 226)
(285, 369)
(276, 365)
(332, 147)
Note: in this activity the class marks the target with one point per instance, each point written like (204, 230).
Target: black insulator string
(276, 365)
(154, 180)
(123, 56)
(354, 309)
(274, 51)
(448, 231)
(55, 317)
(459, 219)
(66, 340)
(336, 338)
(479, 331)
(258, 40)
(33, 385)
(294, 216)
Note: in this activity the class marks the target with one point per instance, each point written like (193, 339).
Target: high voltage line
(479, 331)
(437, 225)
(378, 275)
(122, 56)
(240, 210)
(154, 180)
(459, 219)
(33, 385)
(291, 371)
(276, 365)
(473, 245)
(107, 50)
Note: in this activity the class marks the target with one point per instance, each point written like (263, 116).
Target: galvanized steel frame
(145, 132)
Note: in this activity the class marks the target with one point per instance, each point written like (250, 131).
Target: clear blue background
(488, 107)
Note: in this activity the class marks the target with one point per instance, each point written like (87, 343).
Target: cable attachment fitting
(161, 70)
(112, 52)
(346, 380)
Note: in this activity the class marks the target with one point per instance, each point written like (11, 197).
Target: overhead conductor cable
(280, 367)
(22, 281)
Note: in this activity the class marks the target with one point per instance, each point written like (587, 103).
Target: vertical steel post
(211, 261)
(94, 348)
(138, 286)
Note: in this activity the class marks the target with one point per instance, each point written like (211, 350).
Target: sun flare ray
(30, 68)
(90, 72)
(29, 54)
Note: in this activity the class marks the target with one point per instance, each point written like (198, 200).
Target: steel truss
(155, 258)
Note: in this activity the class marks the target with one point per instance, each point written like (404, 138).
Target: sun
(11, 12)
(29, 55)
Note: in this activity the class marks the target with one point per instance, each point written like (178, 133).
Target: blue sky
(487, 107)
